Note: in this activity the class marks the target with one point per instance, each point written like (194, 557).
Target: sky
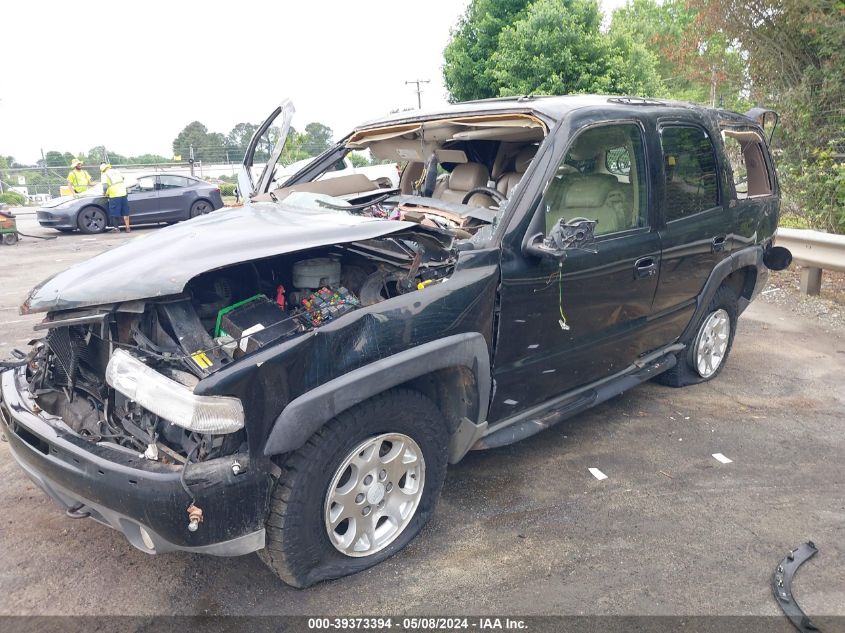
(130, 75)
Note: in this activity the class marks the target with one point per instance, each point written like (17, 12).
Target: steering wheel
(497, 195)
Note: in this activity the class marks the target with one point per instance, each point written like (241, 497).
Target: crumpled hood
(162, 262)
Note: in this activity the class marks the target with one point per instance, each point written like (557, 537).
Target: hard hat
(75, 162)
(104, 167)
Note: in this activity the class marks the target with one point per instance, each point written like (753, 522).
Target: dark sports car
(153, 198)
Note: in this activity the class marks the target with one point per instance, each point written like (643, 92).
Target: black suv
(293, 376)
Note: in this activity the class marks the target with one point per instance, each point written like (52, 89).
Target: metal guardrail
(815, 251)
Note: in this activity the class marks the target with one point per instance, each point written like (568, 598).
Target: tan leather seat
(595, 197)
(507, 181)
(464, 177)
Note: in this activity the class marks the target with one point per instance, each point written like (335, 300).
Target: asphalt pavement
(524, 529)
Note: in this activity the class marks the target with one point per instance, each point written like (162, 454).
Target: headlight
(170, 400)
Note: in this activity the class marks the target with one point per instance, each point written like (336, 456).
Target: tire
(200, 207)
(92, 219)
(689, 369)
(303, 547)
(10, 239)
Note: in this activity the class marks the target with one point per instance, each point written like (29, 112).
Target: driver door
(565, 323)
(143, 200)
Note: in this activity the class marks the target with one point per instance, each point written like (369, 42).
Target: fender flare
(749, 256)
(308, 412)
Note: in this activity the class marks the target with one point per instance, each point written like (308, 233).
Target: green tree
(557, 47)
(694, 64)
(317, 138)
(208, 147)
(58, 159)
(795, 52)
(468, 68)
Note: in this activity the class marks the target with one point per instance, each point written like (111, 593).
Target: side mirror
(539, 246)
(577, 233)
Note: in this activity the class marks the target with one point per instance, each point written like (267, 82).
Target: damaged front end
(116, 415)
(124, 375)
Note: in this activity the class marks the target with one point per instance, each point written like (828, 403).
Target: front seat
(592, 197)
(464, 177)
(507, 181)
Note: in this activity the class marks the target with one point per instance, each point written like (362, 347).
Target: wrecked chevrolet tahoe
(293, 376)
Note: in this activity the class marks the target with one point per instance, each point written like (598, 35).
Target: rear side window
(744, 149)
(172, 182)
(689, 162)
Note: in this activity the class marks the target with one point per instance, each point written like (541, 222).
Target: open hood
(161, 263)
(247, 185)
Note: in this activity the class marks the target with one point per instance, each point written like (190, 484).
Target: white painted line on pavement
(595, 472)
(721, 458)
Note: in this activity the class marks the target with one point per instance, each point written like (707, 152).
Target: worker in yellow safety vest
(115, 190)
(78, 179)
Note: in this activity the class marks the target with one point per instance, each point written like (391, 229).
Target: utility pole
(418, 90)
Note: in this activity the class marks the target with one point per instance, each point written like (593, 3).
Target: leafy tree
(557, 47)
(695, 65)
(208, 147)
(468, 66)
(795, 56)
(148, 159)
(58, 159)
(317, 138)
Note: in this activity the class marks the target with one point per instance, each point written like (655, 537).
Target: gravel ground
(526, 528)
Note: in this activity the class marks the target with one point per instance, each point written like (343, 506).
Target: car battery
(256, 322)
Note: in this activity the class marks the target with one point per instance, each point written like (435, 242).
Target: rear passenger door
(175, 197)
(696, 222)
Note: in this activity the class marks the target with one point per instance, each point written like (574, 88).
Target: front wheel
(708, 350)
(92, 220)
(361, 488)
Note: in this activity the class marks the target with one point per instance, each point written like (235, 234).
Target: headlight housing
(170, 400)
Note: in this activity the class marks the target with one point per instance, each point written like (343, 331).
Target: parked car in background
(153, 198)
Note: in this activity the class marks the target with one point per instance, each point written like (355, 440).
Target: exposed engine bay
(222, 316)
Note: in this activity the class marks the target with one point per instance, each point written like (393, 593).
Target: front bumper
(142, 499)
(56, 219)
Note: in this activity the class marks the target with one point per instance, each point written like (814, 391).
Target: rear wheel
(200, 207)
(361, 488)
(707, 351)
(92, 219)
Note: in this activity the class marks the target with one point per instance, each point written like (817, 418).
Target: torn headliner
(162, 263)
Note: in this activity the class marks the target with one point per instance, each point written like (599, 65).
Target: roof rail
(635, 101)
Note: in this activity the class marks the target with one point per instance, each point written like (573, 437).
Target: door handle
(645, 267)
(717, 244)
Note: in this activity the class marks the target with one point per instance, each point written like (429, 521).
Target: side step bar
(530, 423)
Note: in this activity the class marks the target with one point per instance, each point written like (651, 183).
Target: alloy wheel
(712, 342)
(374, 494)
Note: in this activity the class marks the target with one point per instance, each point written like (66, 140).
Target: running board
(532, 422)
